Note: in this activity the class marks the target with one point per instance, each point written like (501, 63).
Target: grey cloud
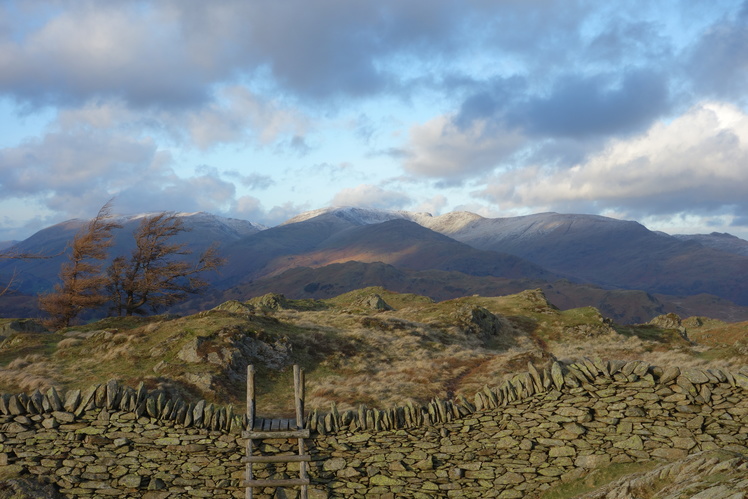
(103, 49)
(73, 162)
(718, 64)
(341, 48)
(199, 193)
(621, 42)
(741, 220)
(391, 152)
(579, 106)
(490, 100)
(299, 145)
(172, 52)
(253, 180)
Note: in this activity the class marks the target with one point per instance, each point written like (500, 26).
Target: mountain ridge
(584, 250)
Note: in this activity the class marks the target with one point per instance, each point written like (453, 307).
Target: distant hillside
(613, 253)
(594, 249)
(7, 244)
(628, 271)
(624, 306)
(34, 276)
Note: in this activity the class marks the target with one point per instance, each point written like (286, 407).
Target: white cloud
(75, 162)
(433, 205)
(441, 149)
(239, 115)
(695, 162)
(371, 196)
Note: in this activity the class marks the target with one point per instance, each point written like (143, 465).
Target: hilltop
(369, 346)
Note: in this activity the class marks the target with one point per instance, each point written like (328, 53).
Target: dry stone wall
(515, 440)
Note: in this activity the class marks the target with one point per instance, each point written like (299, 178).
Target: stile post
(250, 424)
(298, 388)
(251, 397)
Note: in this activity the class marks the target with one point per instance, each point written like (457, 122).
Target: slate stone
(198, 414)
(55, 402)
(695, 376)
(557, 375)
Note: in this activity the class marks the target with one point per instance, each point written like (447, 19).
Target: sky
(263, 109)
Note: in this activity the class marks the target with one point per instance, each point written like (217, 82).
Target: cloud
(250, 208)
(76, 162)
(74, 173)
(371, 196)
(282, 212)
(433, 205)
(691, 164)
(253, 180)
(718, 64)
(348, 49)
(240, 115)
(170, 53)
(622, 42)
(599, 105)
(440, 149)
(132, 51)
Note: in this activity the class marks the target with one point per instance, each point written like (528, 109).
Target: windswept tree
(83, 282)
(155, 276)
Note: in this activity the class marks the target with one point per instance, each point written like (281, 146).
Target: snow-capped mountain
(460, 246)
(589, 248)
(202, 230)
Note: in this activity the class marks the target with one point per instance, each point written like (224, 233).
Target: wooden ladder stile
(269, 429)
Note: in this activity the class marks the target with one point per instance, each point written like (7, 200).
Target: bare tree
(82, 281)
(155, 276)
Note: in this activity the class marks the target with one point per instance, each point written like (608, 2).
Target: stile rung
(277, 459)
(278, 483)
(260, 435)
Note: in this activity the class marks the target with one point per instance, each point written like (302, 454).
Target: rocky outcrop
(270, 301)
(373, 302)
(667, 321)
(480, 321)
(22, 326)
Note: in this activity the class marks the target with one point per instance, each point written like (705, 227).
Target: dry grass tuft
(68, 343)
(27, 374)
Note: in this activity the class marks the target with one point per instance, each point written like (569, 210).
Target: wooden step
(277, 459)
(277, 483)
(262, 424)
(259, 435)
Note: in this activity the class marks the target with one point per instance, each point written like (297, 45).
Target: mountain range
(627, 271)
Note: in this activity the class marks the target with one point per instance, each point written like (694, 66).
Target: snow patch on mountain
(237, 227)
(719, 241)
(366, 216)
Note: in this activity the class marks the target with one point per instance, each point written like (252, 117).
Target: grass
(596, 479)
(350, 353)
(21, 344)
